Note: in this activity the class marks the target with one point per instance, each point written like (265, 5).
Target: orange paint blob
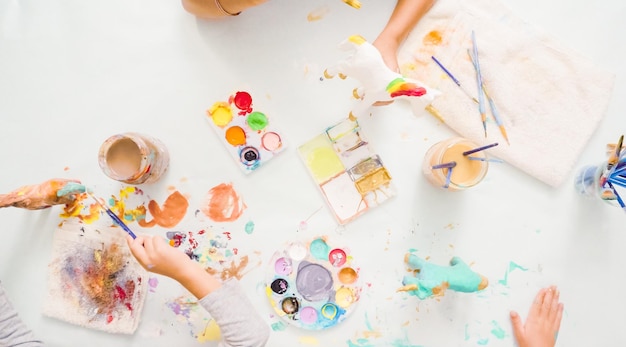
(235, 136)
(224, 204)
(433, 38)
(170, 215)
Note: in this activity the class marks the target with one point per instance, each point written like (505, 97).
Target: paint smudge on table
(497, 330)
(308, 340)
(318, 13)
(169, 215)
(249, 228)
(512, 266)
(223, 203)
(153, 282)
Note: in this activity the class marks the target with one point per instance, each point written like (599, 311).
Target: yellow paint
(308, 340)
(211, 332)
(320, 158)
(373, 181)
(125, 192)
(317, 14)
(221, 113)
(357, 39)
(344, 297)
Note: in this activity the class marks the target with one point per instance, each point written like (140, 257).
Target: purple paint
(283, 266)
(314, 282)
(308, 315)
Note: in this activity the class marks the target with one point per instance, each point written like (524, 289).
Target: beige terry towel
(550, 98)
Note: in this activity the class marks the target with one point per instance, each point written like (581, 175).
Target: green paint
(228, 253)
(497, 331)
(249, 227)
(257, 121)
(467, 336)
(319, 249)
(412, 250)
(403, 343)
(512, 266)
(482, 342)
(279, 326)
(71, 188)
(458, 275)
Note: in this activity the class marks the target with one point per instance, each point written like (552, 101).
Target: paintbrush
(492, 105)
(619, 199)
(479, 83)
(454, 79)
(113, 216)
(478, 149)
(449, 165)
(612, 162)
(492, 160)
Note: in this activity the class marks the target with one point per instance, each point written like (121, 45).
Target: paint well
(337, 257)
(319, 249)
(283, 266)
(308, 315)
(347, 275)
(221, 114)
(271, 141)
(344, 297)
(235, 136)
(257, 121)
(314, 282)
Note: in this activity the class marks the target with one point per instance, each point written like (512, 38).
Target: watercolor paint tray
(351, 177)
(313, 285)
(246, 133)
(93, 280)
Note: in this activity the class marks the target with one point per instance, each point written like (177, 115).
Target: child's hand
(157, 256)
(542, 324)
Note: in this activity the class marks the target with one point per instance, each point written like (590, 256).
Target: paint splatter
(482, 342)
(317, 14)
(233, 270)
(172, 212)
(153, 282)
(497, 330)
(224, 204)
(211, 332)
(512, 266)
(433, 38)
(249, 227)
(279, 326)
(309, 340)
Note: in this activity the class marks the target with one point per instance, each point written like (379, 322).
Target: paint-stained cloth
(550, 98)
(13, 331)
(240, 325)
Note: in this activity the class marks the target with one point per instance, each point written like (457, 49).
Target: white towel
(550, 98)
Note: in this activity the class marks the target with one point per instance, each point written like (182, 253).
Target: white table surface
(72, 73)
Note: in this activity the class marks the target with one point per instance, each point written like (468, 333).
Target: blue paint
(497, 330)
(71, 188)
(512, 266)
(249, 227)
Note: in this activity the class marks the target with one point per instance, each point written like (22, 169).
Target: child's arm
(13, 331)
(239, 323)
(404, 17)
(212, 9)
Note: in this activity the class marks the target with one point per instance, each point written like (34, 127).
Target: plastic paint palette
(313, 285)
(246, 133)
(351, 177)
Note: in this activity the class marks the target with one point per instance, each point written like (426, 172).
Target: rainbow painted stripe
(400, 87)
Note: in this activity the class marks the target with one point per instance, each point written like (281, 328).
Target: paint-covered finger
(518, 327)
(414, 262)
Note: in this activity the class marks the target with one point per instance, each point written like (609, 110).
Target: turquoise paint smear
(403, 343)
(466, 333)
(412, 250)
(512, 266)
(482, 342)
(71, 188)
(497, 330)
(249, 227)
(279, 326)
(367, 322)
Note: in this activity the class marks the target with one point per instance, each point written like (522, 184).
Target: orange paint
(224, 204)
(170, 215)
(235, 136)
(433, 38)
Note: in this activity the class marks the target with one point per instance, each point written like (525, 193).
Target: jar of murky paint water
(133, 158)
(465, 174)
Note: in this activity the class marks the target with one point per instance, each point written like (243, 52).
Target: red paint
(121, 294)
(109, 318)
(201, 232)
(243, 101)
(235, 250)
(227, 233)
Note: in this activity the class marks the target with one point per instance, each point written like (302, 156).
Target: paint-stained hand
(542, 324)
(156, 255)
(55, 191)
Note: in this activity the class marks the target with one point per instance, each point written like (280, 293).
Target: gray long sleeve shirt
(240, 324)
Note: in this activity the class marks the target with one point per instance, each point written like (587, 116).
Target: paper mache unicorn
(432, 280)
(378, 82)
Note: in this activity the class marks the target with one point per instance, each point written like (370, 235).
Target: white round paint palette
(313, 285)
